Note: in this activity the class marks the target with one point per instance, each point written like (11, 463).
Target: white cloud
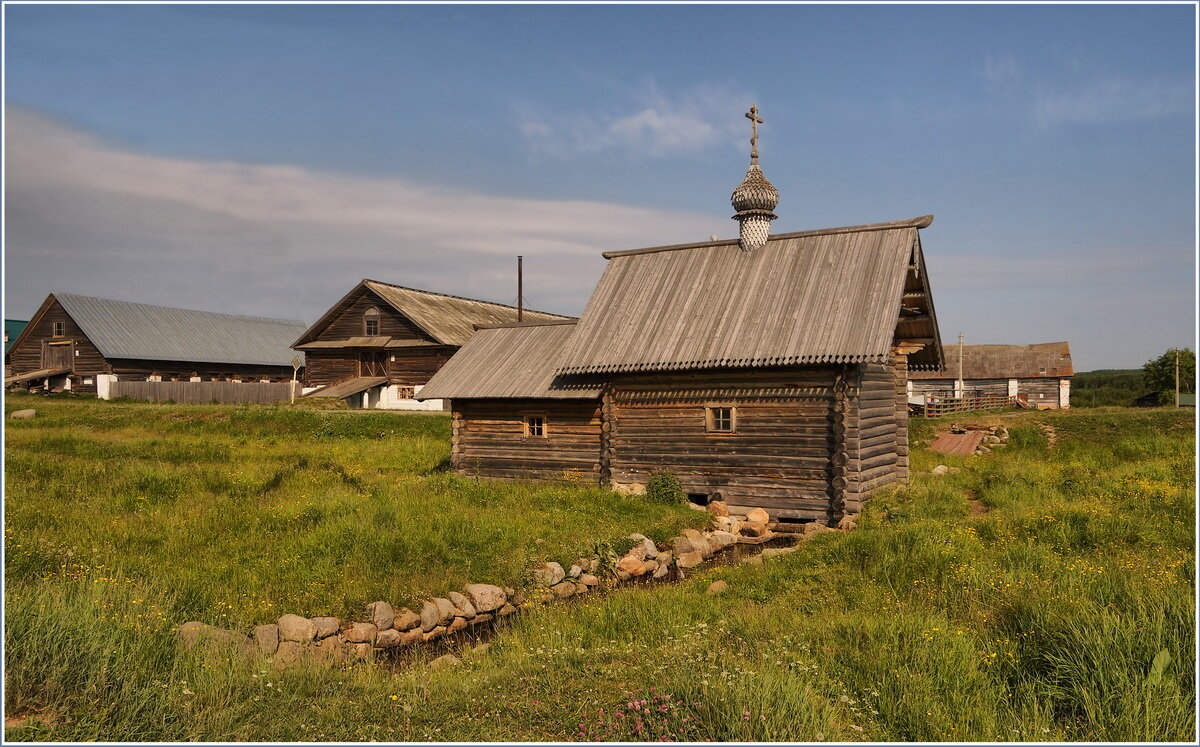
(652, 124)
(88, 217)
(1113, 100)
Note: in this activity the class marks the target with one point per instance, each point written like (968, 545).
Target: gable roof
(827, 296)
(121, 329)
(448, 320)
(509, 361)
(1044, 360)
(12, 330)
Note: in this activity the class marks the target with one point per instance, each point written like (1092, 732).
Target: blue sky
(262, 159)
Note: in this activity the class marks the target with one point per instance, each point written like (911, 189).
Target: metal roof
(12, 330)
(120, 329)
(509, 361)
(1050, 360)
(827, 296)
(448, 320)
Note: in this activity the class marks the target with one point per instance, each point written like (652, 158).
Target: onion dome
(755, 198)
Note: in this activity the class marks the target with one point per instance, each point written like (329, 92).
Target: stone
(462, 604)
(446, 611)
(361, 633)
(563, 589)
(721, 539)
(406, 619)
(409, 637)
(326, 627)
(363, 651)
(289, 653)
(581, 588)
(481, 649)
(330, 650)
(955, 470)
(758, 514)
(296, 628)
(649, 566)
(517, 598)
(23, 414)
(507, 609)
(981, 449)
(575, 571)
(430, 616)
(716, 587)
(724, 522)
(621, 575)
(485, 617)
(436, 632)
(718, 508)
(699, 542)
(754, 529)
(588, 579)
(682, 545)
(191, 633)
(485, 597)
(941, 469)
(644, 547)
(457, 624)
(664, 558)
(593, 564)
(689, 559)
(991, 439)
(382, 614)
(632, 565)
(848, 523)
(816, 527)
(774, 552)
(443, 662)
(663, 570)
(510, 592)
(549, 574)
(267, 638)
(388, 638)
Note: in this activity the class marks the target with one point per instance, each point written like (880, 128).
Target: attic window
(60, 329)
(720, 419)
(535, 426)
(371, 322)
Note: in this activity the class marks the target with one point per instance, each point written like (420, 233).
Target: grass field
(1039, 594)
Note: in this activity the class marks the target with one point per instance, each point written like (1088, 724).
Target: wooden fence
(935, 406)
(205, 392)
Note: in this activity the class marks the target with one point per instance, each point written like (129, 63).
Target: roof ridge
(918, 222)
(460, 298)
(509, 325)
(60, 295)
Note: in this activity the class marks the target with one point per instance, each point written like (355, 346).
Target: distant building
(380, 343)
(1037, 374)
(80, 343)
(12, 328)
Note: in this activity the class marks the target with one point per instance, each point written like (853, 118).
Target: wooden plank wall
(324, 367)
(27, 356)
(778, 459)
(349, 322)
(1032, 388)
(487, 439)
(203, 392)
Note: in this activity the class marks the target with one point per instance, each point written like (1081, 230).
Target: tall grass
(1063, 611)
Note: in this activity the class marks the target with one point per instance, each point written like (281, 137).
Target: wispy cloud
(651, 124)
(89, 217)
(1113, 100)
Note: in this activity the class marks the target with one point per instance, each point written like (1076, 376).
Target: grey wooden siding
(488, 440)
(203, 392)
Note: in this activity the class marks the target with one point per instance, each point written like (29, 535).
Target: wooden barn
(378, 345)
(84, 344)
(766, 371)
(1037, 375)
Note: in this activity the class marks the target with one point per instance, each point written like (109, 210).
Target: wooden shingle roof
(826, 296)
(1045, 360)
(448, 320)
(509, 361)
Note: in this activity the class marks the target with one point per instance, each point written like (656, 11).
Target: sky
(263, 159)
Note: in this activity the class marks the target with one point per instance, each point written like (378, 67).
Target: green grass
(1042, 618)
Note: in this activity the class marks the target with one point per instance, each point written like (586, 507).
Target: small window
(371, 322)
(720, 419)
(60, 329)
(535, 426)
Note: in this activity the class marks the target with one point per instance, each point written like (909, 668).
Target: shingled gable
(827, 296)
(446, 319)
(1044, 360)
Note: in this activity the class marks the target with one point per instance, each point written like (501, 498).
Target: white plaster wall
(389, 398)
(104, 384)
(1064, 393)
(1012, 387)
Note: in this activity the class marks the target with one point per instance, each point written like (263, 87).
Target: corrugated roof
(513, 361)
(1048, 359)
(448, 320)
(120, 329)
(826, 296)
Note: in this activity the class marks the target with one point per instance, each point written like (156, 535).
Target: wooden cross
(755, 121)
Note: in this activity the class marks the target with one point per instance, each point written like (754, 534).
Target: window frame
(710, 420)
(371, 316)
(526, 430)
(58, 328)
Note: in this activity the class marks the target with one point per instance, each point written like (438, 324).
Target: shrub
(664, 487)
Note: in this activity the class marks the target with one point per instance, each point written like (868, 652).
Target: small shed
(84, 344)
(1037, 375)
(379, 344)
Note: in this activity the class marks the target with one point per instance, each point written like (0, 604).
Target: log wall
(488, 439)
(779, 458)
(27, 356)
